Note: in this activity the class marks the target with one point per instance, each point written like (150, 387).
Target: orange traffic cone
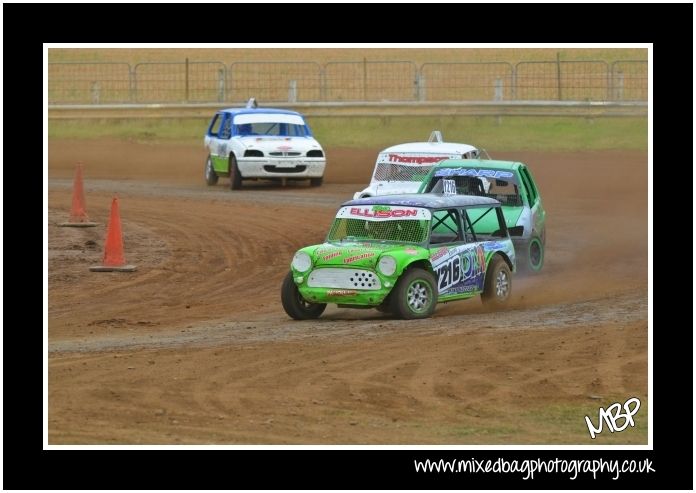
(78, 214)
(114, 259)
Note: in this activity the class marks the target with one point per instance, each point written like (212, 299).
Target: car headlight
(387, 265)
(301, 262)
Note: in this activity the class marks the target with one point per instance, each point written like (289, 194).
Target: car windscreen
(381, 223)
(496, 184)
(401, 172)
(270, 124)
(409, 166)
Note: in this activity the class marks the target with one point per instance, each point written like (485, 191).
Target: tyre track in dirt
(628, 307)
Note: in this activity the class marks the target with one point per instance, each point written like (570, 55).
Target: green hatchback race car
(402, 254)
(513, 185)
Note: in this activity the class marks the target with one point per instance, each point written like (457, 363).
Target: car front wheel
(211, 177)
(316, 182)
(235, 175)
(414, 295)
(295, 305)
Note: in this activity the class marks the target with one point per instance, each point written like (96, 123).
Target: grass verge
(504, 134)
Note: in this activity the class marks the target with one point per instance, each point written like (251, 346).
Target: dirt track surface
(194, 347)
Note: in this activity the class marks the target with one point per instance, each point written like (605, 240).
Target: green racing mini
(402, 254)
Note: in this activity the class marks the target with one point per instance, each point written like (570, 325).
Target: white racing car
(401, 168)
(262, 143)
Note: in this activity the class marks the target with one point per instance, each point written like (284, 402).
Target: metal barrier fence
(369, 81)
(275, 81)
(562, 81)
(172, 82)
(466, 82)
(293, 82)
(629, 80)
(91, 83)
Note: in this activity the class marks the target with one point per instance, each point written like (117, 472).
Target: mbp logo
(612, 414)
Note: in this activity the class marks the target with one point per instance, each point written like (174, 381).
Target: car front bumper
(344, 293)
(277, 168)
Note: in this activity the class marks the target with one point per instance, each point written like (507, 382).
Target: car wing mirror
(516, 231)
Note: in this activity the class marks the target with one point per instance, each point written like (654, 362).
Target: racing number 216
(449, 274)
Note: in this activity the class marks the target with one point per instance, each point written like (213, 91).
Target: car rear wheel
(498, 284)
(211, 177)
(235, 175)
(535, 255)
(295, 305)
(415, 294)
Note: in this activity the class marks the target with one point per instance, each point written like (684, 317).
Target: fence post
(498, 89)
(96, 90)
(322, 83)
(132, 84)
(364, 79)
(221, 85)
(619, 86)
(558, 74)
(292, 91)
(420, 86)
(187, 80)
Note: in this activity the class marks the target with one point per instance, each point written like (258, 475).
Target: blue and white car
(262, 143)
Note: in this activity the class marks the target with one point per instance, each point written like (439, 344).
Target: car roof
(243, 111)
(479, 163)
(428, 200)
(431, 147)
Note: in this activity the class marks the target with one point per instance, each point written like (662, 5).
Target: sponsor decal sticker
(355, 258)
(331, 255)
(460, 271)
(401, 158)
(381, 213)
(340, 292)
(440, 253)
(486, 173)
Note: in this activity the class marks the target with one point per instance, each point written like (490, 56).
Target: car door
(537, 210)
(455, 255)
(218, 138)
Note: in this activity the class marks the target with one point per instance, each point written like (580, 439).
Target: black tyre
(415, 294)
(498, 283)
(211, 177)
(316, 182)
(385, 307)
(295, 305)
(235, 175)
(533, 255)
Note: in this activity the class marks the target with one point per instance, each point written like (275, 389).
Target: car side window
(469, 234)
(445, 227)
(532, 185)
(527, 189)
(214, 127)
(226, 128)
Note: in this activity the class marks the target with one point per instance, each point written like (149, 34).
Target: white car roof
(431, 147)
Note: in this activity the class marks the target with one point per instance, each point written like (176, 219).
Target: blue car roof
(428, 200)
(242, 111)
